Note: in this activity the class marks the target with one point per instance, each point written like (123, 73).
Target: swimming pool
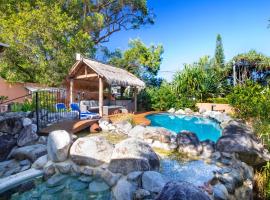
(203, 127)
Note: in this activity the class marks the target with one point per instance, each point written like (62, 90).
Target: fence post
(37, 111)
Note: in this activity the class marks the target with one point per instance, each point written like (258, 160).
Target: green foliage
(3, 98)
(262, 182)
(43, 41)
(45, 35)
(219, 52)
(163, 98)
(26, 106)
(103, 18)
(253, 59)
(250, 101)
(139, 59)
(251, 66)
(262, 130)
(46, 101)
(222, 100)
(201, 80)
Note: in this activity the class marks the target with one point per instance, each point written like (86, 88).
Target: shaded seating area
(85, 114)
(90, 84)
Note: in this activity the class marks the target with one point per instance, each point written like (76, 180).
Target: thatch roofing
(112, 75)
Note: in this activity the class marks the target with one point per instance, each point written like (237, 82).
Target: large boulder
(235, 127)
(11, 124)
(237, 138)
(58, 145)
(208, 147)
(93, 151)
(7, 142)
(153, 181)
(219, 116)
(32, 152)
(181, 191)
(105, 125)
(188, 143)
(26, 122)
(27, 135)
(123, 190)
(172, 110)
(188, 111)
(137, 132)
(123, 126)
(220, 192)
(180, 112)
(133, 155)
(231, 178)
(40, 162)
(158, 133)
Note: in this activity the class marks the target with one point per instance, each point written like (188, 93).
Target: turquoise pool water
(203, 127)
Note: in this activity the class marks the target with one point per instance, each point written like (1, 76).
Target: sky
(187, 29)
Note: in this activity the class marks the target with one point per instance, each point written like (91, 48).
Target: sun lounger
(84, 115)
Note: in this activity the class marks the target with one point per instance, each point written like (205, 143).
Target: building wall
(12, 90)
(217, 107)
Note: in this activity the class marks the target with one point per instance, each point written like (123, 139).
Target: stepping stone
(86, 179)
(76, 185)
(55, 190)
(56, 180)
(98, 186)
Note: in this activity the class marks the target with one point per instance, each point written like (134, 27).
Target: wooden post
(135, 100)
(234, 74)
(100, 94)
(71, 90)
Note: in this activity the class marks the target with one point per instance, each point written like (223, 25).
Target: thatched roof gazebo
(94, 76)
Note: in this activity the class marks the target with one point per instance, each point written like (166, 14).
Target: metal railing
(43, 106)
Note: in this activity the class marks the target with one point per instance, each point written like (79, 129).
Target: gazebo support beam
(86, 76)
(100, 94)
(135, 100)
(71, 90)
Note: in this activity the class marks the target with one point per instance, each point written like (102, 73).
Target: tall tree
(45, 35)
(102, 18)
(251, 65)
(140, 60)
(219, 52)
(43, 41)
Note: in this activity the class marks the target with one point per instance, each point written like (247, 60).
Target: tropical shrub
(262, 130)
(222, 100)
(262, 182)
(26, 106)
(250, 100)
(163, 98)
(201, 80)
(3, 98)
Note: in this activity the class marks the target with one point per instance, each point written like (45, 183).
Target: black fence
(45, 106)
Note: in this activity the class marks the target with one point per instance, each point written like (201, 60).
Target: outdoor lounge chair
(60, 107)
(84, 115)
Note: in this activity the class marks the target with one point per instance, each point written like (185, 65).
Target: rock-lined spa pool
(203, 127)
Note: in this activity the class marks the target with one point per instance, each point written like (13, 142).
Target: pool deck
(75, 126)
(140, 118)
(71, 126)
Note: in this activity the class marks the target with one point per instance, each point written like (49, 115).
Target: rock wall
(11, 125)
